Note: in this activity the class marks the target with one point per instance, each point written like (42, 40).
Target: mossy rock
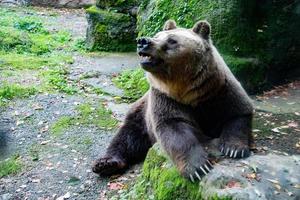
(266, 31)
(249, 71)
(110, 31)
(160, 180)
(123, 6)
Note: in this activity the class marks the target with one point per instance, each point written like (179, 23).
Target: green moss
(10, 166)
(133, 82)
(223, 15)
(242, 67)
(11, 91)
(119, 5)
(265, 31)
(117, 28)
(160, 180)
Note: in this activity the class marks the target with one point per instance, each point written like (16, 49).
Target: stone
(6, 196)
(263, 177)
(110, 31)
(124, 6)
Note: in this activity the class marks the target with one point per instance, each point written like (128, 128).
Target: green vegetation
(160, 180)
(10, 166)
(87, 115)
(25, 44)
(241, 30)
(56, 78)
(133, 82)
(11, 91)
(61, 124)
(100, 116)
(242, 67)
(105, 25)
(25, 61)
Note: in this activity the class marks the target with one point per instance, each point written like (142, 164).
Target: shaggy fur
(193, 97)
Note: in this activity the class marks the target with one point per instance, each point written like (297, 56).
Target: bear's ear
(169, 25)
(202, 28)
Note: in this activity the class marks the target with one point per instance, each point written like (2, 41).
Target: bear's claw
(201, 171)
(232, 152)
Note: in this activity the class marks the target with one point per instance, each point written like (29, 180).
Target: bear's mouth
(145, 57)
(148, 61)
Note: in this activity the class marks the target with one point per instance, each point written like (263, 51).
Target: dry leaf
(273, 181)
(115, 186)
(233, 184)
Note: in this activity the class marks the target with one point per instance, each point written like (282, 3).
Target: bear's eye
(172, 41)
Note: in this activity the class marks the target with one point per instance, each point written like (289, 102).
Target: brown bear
(193, 97)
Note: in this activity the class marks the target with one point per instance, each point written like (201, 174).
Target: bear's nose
(143, 42)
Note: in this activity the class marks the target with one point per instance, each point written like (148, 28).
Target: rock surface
(264, 177)
(110, 31)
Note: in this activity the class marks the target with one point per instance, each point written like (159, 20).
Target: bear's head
(183, 63)
(175, 50)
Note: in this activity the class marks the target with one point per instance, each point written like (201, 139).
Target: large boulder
(262, 177)
(260, 39)
(123, 6)
(110, 31)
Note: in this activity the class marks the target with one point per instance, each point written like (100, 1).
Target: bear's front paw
(197, 172)
(235, 150)
(108, 166)
(196, 165)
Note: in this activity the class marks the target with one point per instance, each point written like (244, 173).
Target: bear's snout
(143, 43)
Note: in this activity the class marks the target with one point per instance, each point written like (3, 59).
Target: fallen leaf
(251, 176)
(233, 184)
(297, 186)
(293, 124)
(275, 130)
(115, 186)
(273, 181)
(45, 142)
(19, 122)
(66, 196)
(277, 186)
(37, 106)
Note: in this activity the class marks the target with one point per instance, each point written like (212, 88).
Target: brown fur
(193, 98)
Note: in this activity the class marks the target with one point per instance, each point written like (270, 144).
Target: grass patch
(29, 61)
(25, 43)
(10, 166)
(87, 115)
(61, 124)
(100, 116)
(11, 91)
(57, 79)
(133, 82)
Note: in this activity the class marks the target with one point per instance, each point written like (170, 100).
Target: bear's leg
(236, 137)
(179, 141)
(129, 146)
